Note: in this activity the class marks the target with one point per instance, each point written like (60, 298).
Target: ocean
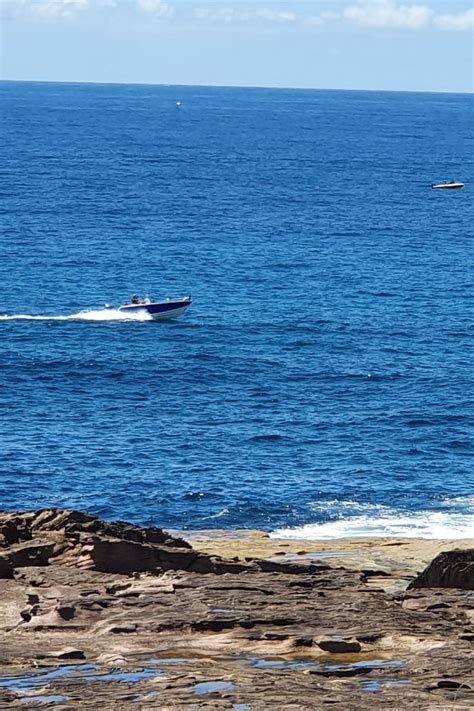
(321, 384)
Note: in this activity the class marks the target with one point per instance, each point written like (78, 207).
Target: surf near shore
(398, 560)
(110, 614)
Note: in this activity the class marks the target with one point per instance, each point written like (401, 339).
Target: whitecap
(381, 521)
(219, 514)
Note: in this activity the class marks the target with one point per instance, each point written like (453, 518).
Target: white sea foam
(224, 512)
(464, 502)
(93, 315)
(369, 520)
(343, 507)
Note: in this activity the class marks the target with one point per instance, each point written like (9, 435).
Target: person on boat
(135, 299)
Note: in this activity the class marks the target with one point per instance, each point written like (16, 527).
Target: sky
(397, 45)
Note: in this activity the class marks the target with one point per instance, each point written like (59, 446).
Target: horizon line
(232, 86)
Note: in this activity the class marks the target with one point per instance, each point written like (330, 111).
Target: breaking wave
(353, 520)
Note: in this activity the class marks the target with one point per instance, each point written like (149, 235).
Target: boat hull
(448, 186)
(159, 311)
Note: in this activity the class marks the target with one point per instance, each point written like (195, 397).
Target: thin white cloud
(230, 15)
(155, 8)
(372, 14)
(45, 10)
(273, 16)
(224, 15)
(375, 14)
(462, 22)
(56, 10)
(386, 14)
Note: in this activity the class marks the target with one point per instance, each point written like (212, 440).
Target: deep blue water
(324, 372)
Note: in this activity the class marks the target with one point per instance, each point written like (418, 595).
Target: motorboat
(452, 185)
(158, 310)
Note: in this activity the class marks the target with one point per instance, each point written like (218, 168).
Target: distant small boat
(158, 310)
(452, 185)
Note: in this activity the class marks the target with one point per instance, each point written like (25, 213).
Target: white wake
(92, 315)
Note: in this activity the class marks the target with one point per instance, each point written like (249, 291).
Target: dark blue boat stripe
(157, 308)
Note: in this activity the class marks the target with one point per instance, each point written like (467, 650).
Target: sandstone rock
(339, 646)
(450, 569)
(341, 672)
(168, 619)
(6, 567)
(75, 522)
(414, 603)
(68, 526)
(49, 620)
(65, 653)
(30, 554)
(116, 628)
(112, 659)
(451, 684)
(66, 612)
(375, 573)
(370, 637)
(12, 529)
(127, 557)
(144, 586)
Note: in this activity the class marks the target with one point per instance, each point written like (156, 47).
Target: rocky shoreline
(106, 615)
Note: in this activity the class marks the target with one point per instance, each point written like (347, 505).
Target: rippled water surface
(322, 377)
